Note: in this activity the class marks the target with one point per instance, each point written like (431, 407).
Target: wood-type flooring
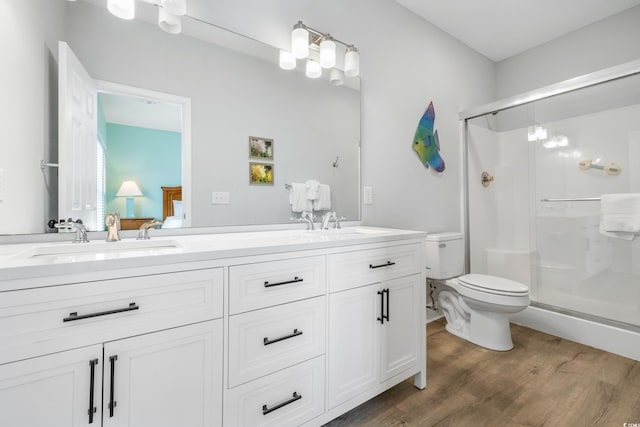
(543, 381)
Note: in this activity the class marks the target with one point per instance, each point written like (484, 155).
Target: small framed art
(260, 148)
(260, 173)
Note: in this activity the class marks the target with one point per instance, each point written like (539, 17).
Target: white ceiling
(499, 29)
(141, 112)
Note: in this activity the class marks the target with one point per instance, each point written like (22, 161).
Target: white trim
(185, 104)
(609, 338)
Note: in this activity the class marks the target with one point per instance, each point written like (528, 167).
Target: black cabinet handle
(386, 316)
(295, 280)
(74, 316)
(388, 264)
(112, 402)
(295, 333)
(92, 409)
(381, 318)
(266, 410)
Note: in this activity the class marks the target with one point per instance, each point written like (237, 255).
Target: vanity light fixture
(170, 12)
(287, 60)
(313, 70)
(306, 40)
(336, 77)
(536, 133)
(123, 9)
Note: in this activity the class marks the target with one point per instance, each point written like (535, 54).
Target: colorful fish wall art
(426, 142)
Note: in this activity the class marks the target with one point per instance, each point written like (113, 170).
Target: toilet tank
(445, 255)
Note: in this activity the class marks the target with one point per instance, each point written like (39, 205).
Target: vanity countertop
(32, 260)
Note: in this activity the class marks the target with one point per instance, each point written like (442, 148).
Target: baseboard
(609, 338)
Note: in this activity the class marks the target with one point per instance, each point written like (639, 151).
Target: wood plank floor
(543, 381)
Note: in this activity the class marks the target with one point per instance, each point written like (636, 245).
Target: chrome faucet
(81, 230)
(336, 225)
(143, 233)
(326, 218)
(307, 217)
(113, 227)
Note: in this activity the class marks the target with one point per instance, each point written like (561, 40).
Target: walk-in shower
(551, 154)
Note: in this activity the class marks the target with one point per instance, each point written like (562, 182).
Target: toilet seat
(493, 285)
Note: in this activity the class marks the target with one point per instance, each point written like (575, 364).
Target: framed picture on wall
(260, 148)
(260, 173)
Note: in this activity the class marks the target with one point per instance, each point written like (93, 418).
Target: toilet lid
(493, 284)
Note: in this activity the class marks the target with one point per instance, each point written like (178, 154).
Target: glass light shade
(352, 62)
(300, 41)
(168, 22)
(124, 9)
(175, 7)
(327, 53)
(336, 77)
(287, 60)
(129, 189)
(313, 70)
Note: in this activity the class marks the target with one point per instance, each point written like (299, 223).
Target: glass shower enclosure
(537, 167)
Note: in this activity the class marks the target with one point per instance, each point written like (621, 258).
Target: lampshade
(169, 22)
(300, 41)
(313, 70)
(327, 52)
(352, 62)
(287, 60)
(124, 9)
(175, 7)
(129, 189)
(336, 77)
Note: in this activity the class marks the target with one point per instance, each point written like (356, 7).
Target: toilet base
(488, 329)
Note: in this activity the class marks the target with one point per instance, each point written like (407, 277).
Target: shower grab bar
(580, 199)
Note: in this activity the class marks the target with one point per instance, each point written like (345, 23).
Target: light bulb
(300, 41)
(168, 22)
(287, 60)
(336, 77)
(124, 9)
(313, 70)
(352, 62)
(327, 52)
(175, 7)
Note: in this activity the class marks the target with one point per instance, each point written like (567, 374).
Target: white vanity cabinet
(374, 330)
(142, 350)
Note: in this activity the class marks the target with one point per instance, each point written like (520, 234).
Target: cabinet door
(53, 390)
(353, 342)
(399, 337)
(165, 379)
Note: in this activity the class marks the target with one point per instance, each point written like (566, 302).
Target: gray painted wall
(609, 42)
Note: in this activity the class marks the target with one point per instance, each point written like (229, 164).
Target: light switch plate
(367, 195)
(220, 198)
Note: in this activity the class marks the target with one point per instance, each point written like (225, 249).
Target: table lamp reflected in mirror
(129, 189)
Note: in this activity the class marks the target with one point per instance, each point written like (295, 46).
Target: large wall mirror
(207, 112)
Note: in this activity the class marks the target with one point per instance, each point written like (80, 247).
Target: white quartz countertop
(22, 261)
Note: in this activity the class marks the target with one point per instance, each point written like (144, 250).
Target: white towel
(313, 189)
(323, 202)
(298, 198)
(620, 215)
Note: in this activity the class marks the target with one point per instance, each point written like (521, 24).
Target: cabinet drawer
(45, 320)
(253, 286)
(264, 341)
(352, 269)
(286, 398)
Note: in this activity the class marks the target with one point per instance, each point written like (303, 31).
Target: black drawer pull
(92, 409)
(74, 316)
(386, 316)
(388, 264)
(295, 280)
(112, 381)
(294, 334)
(266, 410)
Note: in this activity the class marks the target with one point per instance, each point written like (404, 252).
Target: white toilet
(475, 305)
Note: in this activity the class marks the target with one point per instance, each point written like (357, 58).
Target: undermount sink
(348, 231)
(62, 249)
